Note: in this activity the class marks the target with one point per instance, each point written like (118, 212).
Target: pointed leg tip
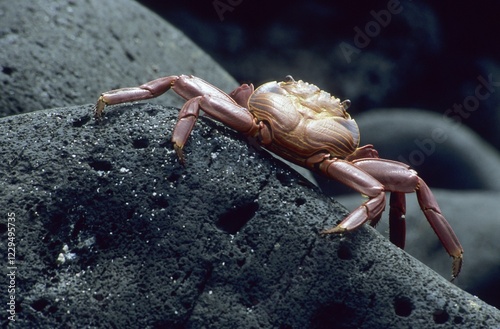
(333, 230)
(456, 266)
(99, 108)
(180, 154)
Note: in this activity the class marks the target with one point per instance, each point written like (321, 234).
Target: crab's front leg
(221, 109)
(185, 86)
(148, 90)
(199, 95)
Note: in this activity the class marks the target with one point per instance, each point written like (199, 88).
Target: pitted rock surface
(111, 229)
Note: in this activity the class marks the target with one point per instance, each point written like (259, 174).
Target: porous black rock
(112, 231)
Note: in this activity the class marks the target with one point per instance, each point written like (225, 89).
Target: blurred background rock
(425, 55)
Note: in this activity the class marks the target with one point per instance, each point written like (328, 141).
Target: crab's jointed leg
(397, 220)
(227, 112)
(398, 177)
(354, 177)
(148, 90)
(200, 95)
(185, 86)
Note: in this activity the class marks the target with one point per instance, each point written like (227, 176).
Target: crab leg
(185, 86)
(227, 112)
(148, 90)
(443, 230)
(398, 177)
(397, 221)
(356, 178)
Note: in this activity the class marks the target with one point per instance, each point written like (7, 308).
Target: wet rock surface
(111, 229)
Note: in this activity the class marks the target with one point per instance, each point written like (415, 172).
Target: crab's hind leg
(354, 177)
(397, 219)
(443, 230)
(398, 177)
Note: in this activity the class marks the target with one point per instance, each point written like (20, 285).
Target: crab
(311, 128)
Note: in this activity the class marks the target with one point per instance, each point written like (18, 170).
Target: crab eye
(346, 104)
(289, 78)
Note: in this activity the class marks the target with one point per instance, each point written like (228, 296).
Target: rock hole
(300, 201)
(8, 70)
(40, 304)
(78, 227)
(130, 57)
(234, 219)
(367, 266)
(57, 220)
(177, 275)
(161, 202)
(140, 143)
(284, 178)
(99, 297)
(440, 316)
(100, 165)
(334, 315)
(152, 112)
(173, 177)
(344, 252)
(81, 121)
(403, 306)
(241, 262)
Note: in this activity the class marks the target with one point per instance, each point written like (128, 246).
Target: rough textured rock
(111, 230)
(56, 53)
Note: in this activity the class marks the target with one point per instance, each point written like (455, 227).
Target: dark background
(428, 56)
